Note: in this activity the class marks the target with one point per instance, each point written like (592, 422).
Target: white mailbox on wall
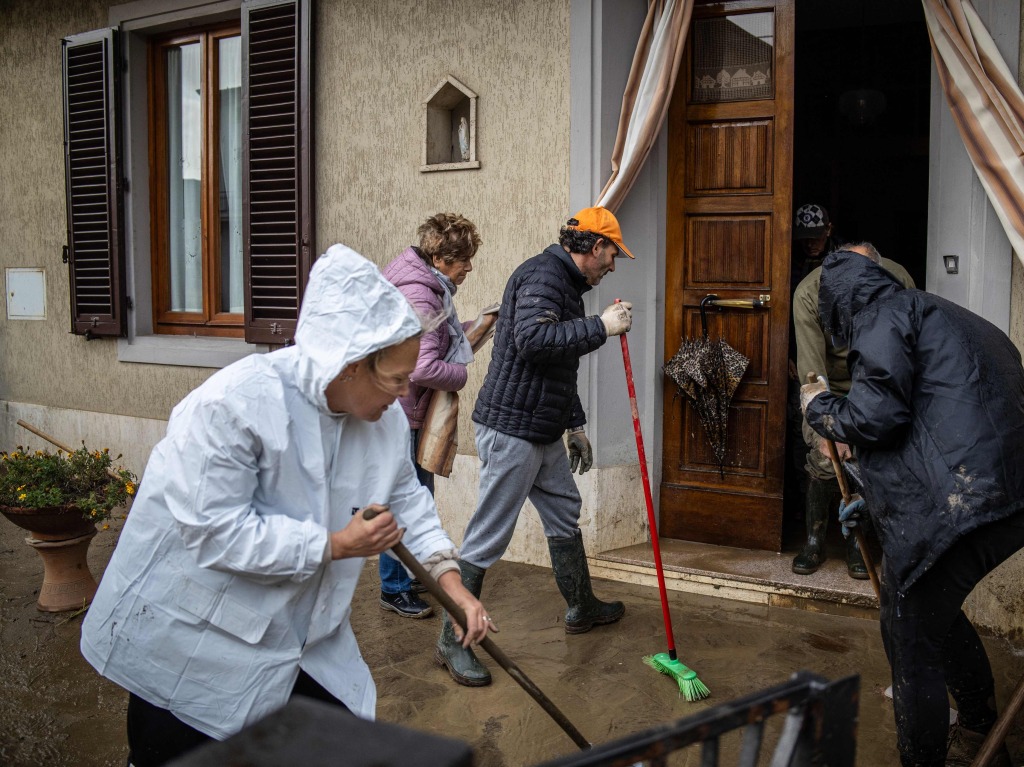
(26, 293)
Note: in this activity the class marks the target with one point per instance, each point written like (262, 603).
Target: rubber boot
(569, 561)
(855, 560)
(460, 661)
(819, 499)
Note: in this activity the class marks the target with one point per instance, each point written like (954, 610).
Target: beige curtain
(648, 93)
(987, 106)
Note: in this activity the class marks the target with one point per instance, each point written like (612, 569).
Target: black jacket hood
(849, 282)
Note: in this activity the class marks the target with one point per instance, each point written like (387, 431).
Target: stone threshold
(758, 577)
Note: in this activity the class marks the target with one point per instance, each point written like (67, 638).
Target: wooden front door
(728, 234)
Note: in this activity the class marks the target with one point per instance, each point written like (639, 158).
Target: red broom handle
(647, 495)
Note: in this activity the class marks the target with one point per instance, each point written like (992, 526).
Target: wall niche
(449, 123)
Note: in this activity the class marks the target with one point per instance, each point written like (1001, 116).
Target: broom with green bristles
(667, 663)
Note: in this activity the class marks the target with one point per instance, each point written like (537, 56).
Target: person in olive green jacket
(816, 353)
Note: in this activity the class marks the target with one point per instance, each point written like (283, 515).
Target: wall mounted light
(952, 264)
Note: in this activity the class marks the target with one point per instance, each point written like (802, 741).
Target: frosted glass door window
(733, 57)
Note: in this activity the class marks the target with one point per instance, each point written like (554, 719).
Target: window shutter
(92, 168)
(277, 165)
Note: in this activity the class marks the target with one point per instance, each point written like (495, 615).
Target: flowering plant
(85, 479)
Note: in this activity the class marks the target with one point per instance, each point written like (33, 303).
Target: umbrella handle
(708, 299)
(656, 548)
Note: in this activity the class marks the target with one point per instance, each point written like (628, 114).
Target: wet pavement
(55, 710)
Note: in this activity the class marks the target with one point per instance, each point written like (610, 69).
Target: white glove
(809, 391)
(618, 318)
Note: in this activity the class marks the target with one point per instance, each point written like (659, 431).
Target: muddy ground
(55, 710)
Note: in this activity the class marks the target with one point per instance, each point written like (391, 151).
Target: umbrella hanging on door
(707, 373)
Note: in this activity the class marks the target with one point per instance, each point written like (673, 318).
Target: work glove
(580, 452)
(850, 514)
(618, 318)
(809, 391)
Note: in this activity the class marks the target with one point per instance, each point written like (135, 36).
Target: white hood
(349, 311)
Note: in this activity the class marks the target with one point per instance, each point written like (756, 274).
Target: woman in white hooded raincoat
(236, 568)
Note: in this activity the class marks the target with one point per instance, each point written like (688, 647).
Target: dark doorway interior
(861, 122)
(862, 105)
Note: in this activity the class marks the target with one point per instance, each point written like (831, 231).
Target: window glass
(733, 57)
(185, 177)
(230, 207)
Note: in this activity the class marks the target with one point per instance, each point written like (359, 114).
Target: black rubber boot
(569, 561)
(819, 500)
(460, 661)
(854, 560)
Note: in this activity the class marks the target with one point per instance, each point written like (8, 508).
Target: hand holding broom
(438, 592)
(847, 498)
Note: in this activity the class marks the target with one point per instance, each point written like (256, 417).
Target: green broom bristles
(689, 685)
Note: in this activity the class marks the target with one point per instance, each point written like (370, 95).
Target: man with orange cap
(527, 403)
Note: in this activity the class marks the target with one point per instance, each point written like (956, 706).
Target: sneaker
(406, 604)
(416, 587)
(963, 745)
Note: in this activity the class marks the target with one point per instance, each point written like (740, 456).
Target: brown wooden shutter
(92, 164)
(277, 171)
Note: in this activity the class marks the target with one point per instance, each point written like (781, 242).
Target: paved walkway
(56, 710)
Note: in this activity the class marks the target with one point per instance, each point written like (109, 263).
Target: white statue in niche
(464, 138)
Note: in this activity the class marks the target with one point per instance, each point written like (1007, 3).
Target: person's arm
(540, 333)
(211, 476)
(877, 410)
(811, 345)
(431, 371)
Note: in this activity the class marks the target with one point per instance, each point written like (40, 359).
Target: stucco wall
(40, 361)
(998, 601)
(375, 64)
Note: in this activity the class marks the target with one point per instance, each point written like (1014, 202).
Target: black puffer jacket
(530, 389)
(935, 411)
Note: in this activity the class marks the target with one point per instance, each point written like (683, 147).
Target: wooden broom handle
(858, 532)
(457, 613)
(54, 441)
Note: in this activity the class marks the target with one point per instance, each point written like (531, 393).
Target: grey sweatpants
(512, 471)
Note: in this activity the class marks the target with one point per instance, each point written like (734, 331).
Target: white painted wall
(961, 221)
(599, 67)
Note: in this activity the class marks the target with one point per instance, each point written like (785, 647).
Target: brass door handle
(761, 302)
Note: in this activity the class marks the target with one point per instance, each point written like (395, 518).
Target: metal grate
(820, 728)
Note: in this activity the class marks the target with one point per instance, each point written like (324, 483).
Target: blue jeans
(393, 577)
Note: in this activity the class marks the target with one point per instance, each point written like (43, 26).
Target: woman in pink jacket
(428, 276)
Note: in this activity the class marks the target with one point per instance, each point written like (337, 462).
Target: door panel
(730, 177)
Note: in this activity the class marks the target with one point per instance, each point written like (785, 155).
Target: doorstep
(760, 577)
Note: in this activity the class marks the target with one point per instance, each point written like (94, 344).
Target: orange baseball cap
(599, 221)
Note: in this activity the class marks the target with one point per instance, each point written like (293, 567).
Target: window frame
(134, 23)
(208, 322)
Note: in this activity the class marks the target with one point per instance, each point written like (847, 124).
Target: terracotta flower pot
(50, 523)
(61, 537)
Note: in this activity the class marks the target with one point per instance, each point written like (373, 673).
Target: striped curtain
(987, 107)
(648, 94)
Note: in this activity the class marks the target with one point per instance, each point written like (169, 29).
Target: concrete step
(759, 577)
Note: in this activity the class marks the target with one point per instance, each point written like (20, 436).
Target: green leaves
(84, 478)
